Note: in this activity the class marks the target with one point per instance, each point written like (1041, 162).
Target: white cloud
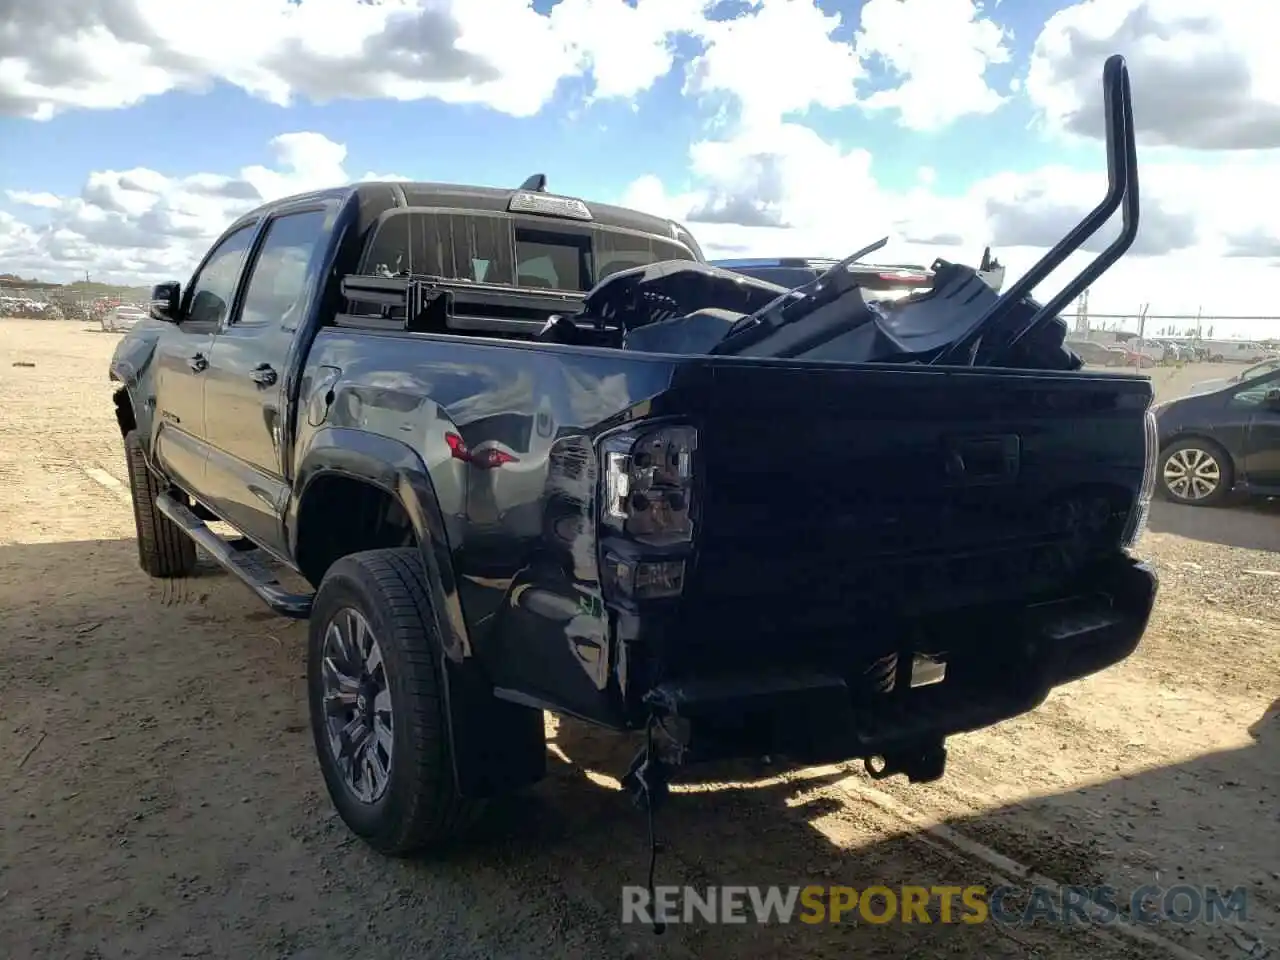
(786, 56)
(778, 59)
(627, 48)
(1205, 75)
(1210, 224)
(28, 199)
(140, 225)
(775, 58)
(104, 54)
(1210, 229)
(1202, 241)
(941, 50)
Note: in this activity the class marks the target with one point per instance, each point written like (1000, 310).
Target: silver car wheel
(1192, 473)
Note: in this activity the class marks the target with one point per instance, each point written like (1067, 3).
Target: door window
(1256, 393)
(214, 287)
(279, 285)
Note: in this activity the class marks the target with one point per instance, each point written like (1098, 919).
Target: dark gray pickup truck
(533, 454)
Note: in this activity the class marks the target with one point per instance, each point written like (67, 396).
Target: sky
(133, 131)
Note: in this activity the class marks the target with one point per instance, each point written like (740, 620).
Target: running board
(232, 556)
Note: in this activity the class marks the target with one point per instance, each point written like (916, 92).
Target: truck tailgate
(837, 498)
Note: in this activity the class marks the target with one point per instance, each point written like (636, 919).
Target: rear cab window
(529, 252)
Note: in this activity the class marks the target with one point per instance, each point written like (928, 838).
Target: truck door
(245, 400)
(182, 359)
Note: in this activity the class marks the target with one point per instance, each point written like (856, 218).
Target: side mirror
(165, 298)
(1271, 400)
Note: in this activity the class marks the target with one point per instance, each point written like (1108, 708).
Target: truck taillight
(648, 484)
(647, 492)
(1137, 521)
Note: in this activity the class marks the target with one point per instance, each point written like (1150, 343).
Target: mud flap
(498, 747)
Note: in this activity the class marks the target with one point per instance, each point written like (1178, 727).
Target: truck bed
(840, 507)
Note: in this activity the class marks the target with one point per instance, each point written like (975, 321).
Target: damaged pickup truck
(533, 454)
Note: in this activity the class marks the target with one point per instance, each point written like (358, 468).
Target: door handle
(198, 363)
(263, 375)
(983, 461)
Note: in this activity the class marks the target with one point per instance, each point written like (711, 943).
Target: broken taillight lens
(648, 484)
(647, 489)
(1137, 521)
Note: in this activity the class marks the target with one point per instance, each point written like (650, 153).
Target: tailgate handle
(984, 460)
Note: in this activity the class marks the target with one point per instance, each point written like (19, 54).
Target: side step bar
(238, 561)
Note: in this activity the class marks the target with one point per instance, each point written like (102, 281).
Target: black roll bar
(1122, 188)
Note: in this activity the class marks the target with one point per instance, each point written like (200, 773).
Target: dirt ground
(161, 798)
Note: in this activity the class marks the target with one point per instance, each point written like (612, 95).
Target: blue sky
(834, 121)
(457, 144)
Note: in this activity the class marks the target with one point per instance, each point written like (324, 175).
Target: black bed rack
(438, 305)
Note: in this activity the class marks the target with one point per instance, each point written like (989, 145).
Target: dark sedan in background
(1218, 440)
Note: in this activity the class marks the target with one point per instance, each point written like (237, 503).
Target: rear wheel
(377, 702)
(1196, 472)
(164, 550)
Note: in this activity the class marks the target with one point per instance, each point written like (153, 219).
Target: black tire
(164, 550)
(420, 808)
(1180, 456)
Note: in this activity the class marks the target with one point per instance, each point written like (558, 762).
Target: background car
(121, 318)
(1132, 358)
(1096, 354)
(1249, 373)
(1221, 440)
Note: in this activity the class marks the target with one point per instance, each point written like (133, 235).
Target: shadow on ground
(1243, 524)
(171, 806)
(1199, 823)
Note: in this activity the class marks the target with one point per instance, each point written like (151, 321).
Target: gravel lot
(161, 798)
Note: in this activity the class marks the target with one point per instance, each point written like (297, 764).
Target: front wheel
(164, 549)
(1195, 472)
(377, 703)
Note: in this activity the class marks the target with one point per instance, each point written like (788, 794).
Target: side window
(1255, 393)
(279, 283)
(214, 287)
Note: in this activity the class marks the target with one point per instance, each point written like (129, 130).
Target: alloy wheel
(357, 705)
(1192, 474)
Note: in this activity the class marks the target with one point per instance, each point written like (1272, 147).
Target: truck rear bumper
(821, 717)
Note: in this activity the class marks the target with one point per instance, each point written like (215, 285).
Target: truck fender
(131, 368)
(497, 746)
